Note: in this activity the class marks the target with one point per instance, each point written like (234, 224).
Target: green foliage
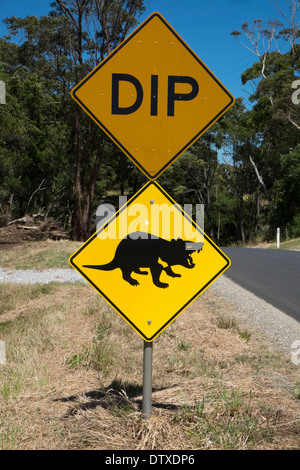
(55, 160)
(44, 135)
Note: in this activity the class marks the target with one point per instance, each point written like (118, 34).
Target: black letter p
(172, 96)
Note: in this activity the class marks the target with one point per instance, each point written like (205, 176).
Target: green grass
(9, 437)
(296, 391)
(39, 255)
(230, 323)
(224, 418)
(97, 355)
(288, 245)
(13, 296)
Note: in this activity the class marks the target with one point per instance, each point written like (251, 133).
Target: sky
(204, 25)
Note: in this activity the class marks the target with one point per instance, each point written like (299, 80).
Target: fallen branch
(25, 227)
(22, 220)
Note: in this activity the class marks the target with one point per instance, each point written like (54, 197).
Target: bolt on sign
(150, 261)
(153, 96)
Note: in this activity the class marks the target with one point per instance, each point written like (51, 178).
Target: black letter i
(154, 91)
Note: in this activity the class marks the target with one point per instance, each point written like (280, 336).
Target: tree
(275, 116)
(189, 180)
(32, 140)
(266, 42)
(260, 39)
(239, 147)
(97, 27)
(61, 49)
(288, 208)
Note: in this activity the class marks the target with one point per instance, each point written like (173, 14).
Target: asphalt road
(273, 275)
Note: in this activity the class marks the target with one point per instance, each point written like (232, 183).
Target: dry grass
(73, 378)
(39, 255)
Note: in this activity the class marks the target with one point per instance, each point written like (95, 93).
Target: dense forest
(55, 160)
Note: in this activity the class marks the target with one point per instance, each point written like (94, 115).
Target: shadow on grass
(118, 397)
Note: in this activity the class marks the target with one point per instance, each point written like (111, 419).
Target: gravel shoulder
(280, 330)
(39, 276)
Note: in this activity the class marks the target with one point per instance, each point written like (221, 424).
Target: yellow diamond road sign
(150, 261)
(153, 96)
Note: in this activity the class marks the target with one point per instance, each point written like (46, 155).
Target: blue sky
(204, 25)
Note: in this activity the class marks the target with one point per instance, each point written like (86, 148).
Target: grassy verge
(288, 245)
(73, 378)
(39, 255)
(55, 254)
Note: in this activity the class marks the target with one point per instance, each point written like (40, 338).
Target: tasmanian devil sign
(150, 261)
(153, 96)
(144, 250)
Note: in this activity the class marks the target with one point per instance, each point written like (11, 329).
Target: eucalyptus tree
(33, 136)
(275, 115)
(96, 27)
(62, 48)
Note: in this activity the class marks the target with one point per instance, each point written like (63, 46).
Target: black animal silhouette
(143, 250)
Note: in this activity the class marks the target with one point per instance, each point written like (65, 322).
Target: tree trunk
(76, 233)
(83, 203)
(261, 181)
(103, 23)
(10, 205)
(242, 230)
(292, 122)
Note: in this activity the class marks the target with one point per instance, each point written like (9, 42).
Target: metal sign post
(147, 379)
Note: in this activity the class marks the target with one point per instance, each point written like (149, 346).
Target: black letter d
(115, 108)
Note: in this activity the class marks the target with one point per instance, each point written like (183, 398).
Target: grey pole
(147, 379)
